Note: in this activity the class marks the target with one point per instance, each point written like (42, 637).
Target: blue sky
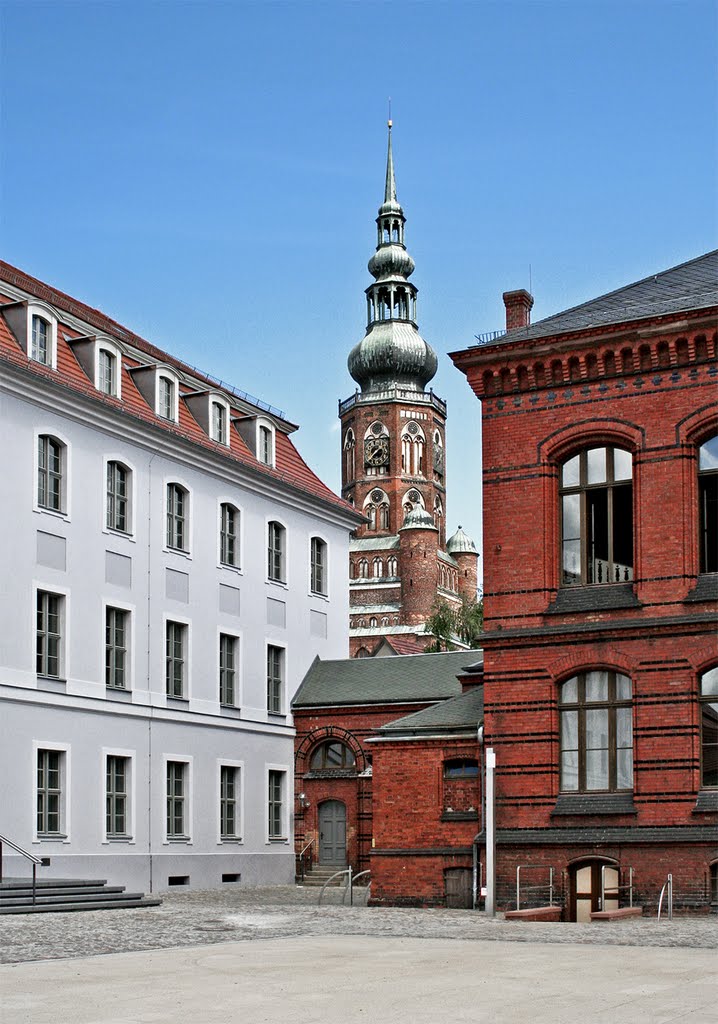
(209, 173)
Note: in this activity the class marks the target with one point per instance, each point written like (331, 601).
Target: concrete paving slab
(320, 979)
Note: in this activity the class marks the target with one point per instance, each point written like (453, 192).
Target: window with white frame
(596, 732)
(166, 398)
(48, 634)
(228, 665)
(118, 497)
(49, 792)
(175, 659)
(318, 566)
(107, 372)
(177, 809)
(177, 514)
(276, 555)
(41, 340)
(229, 798)
(229, 521)
(266, 445)
(50, 473)
(219, 422)
(277, 782)
(117, 775)
(116, 648)
(275, 679)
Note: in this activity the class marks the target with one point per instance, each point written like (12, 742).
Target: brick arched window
(709, 728)
(596, 733)
(708, 504)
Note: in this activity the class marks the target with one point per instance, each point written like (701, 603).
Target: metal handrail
(615, 891)
(344, 871)
(36, 861)
(667, 885)
(350, 885)
(529, 888)
(301, 858)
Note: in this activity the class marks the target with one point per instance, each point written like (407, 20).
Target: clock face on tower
(376, 451)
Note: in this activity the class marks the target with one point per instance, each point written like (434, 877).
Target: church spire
(392, 353)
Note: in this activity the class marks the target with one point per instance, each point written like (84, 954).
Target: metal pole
(630, 887)
(351, 888)
(34, 879)
(550, 887)
(490, 834)
(670, 897)
(518, 889)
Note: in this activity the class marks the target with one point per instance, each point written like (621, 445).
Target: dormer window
(219, 423)
(106, 372)
(40, 347)
(266, 448)
(166, 398)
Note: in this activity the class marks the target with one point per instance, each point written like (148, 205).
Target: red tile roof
(290, 466)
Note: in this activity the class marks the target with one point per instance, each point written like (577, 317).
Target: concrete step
(133, 901)
(97, 897)
(44, 891)
(50, 883)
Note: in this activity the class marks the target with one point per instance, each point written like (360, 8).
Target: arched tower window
(349, 455)
(412, 450)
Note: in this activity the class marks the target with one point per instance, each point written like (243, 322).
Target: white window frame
(48, 314)
(283, 693)
(282, 582)
(131, 473)
(239, 541)
(186, 839)
(239, 650)
(164, 374)
(65, 792)
(324, 594)
(129, 609)
(105, 345)
(187, 688)
(219, 400)
(274, 840)
(226, 762)
(64, 593)
(64, 512)
(265, 424)
(130, 838)
(186, 551)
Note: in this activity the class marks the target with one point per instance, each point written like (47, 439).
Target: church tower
(394, 460)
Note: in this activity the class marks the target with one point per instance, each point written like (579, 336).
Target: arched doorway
(333, 833)
(588, 879)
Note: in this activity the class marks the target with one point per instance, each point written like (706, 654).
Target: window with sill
(118, 497)
(276, 541)
(228, 647)
(276, 785)
(461, 786)
(176, 800)
(177, 510)
(275, 680)
(318, 566)
(116, 636)
(229, 535)
(175, 659)
(709, 728)
(49, 792)
(117, 797)
(708, 504)
(331, 756)
(48, 635)
(50, 473)
(596, 714)
(596, 495)
(229, 790)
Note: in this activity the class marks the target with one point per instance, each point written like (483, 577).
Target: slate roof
(455, 715)
(689, 286)
(289, 467)
(417, 677)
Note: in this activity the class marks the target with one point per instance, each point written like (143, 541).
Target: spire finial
(390, 187)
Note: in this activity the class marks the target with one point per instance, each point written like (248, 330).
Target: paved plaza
(266, 955)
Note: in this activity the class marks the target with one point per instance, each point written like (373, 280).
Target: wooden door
(586, 889)
(457, 888)
(333, 833)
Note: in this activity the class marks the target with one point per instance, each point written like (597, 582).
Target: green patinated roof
(459, 714)
(419, 677)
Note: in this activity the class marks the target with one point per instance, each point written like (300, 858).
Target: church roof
(454, 715)
(688, 286)
(418, 677)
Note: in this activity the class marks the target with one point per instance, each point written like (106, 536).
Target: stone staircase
(319, 874)
(54, 895)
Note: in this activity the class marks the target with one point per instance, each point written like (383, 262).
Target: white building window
(228, 666)
(48, 635)
(118, 497)
(167, 398)
(177, 516)
(229, 801)
(50, 472)
(177, 803)
(50, 797)
(117, 797)
(276, 552)
(318, 566)
(41, 341)
(175, 659)
(266, 445)
(275, 679)
(276, 814)
(229, 521)
(107, 372)
(219, 423)
(116, 648)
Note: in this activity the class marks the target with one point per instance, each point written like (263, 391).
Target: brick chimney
(518, 308)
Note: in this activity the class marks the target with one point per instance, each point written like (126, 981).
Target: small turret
(463, 550)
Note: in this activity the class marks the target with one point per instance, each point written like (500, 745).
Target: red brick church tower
(393, 462)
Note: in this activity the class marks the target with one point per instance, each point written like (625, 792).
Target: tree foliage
(450, 627)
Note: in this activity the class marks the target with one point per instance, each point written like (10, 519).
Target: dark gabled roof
(411, 677)
(689, 286)
(458, 714)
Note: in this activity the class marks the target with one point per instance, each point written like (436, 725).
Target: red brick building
(600, 475)
(339, 706)
(393, 459)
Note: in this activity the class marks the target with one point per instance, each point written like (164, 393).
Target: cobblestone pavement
(204, 918)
